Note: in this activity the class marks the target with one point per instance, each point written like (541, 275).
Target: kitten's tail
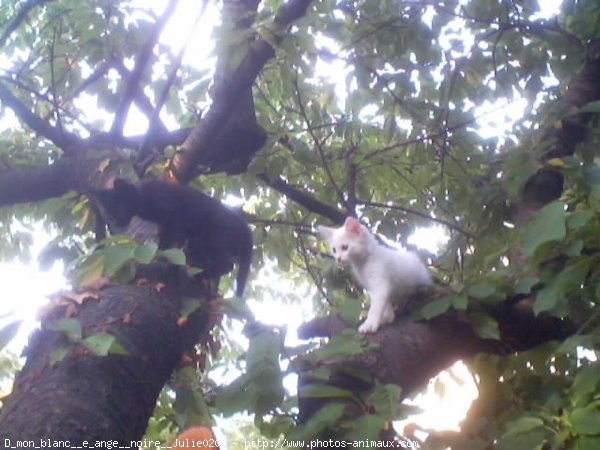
(245, 260)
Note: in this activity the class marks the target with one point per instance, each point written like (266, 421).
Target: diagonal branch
(58, 137)
(21, 16)
(413, 212)
(146, 154)
(96, 75)
(302, 198)
(139, 98)
(318, 144)
(132, 85)
(198, 145)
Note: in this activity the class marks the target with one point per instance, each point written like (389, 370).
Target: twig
(286, 223)
(23, 12)
(146, 157)
(318, 144)
(450, 225)
(132, 85)
(318, 281)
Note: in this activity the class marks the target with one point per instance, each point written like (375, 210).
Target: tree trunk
(84, 396)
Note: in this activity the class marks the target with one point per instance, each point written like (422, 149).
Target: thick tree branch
(198, 146)
(96, 75)
(409, 353)
(547, 185)
(70, 173)
(37, 183)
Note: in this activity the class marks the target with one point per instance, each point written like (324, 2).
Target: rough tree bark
(200, 146)
(84, 396)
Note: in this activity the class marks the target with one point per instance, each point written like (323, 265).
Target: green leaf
(586, 420)
(348, 343)
(524, 285)
(587, 443)
(90, 271)
(579, 219)
(524, 424)
(144, 254)
(190, 305)
(533, 440)
(435, 308)
(70, 327)
(366, 428)
(547, 225)
(484, 325)
(574, 248)
(58, 355)
(327, 416)
(548, 298)
(235, 397)
(459, 302)
(103, 344)
(386, 400)
(481, 291)
(556, 292)
(260, 389)
(174, 256)
(189, 404)
(591, 107)
(115, 258)
(8, 332)
(323, 391)
(350, 311)
(586, 381)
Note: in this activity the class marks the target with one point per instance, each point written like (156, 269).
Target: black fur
(214, 235)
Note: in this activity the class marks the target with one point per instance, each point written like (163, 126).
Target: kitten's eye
(344, 247)
(334, 250)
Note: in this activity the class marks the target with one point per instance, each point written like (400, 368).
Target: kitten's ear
(325, 232)
(352, 226)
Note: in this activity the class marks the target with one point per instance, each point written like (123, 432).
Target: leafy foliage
(380, 108)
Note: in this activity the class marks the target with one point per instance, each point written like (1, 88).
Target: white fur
(386, 273)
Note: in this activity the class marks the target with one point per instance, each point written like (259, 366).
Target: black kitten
(214, 235)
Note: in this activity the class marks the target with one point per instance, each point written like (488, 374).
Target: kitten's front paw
(369, 326)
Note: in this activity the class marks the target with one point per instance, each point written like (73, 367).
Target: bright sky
(26, 288)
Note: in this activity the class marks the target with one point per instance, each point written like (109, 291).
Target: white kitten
(385, 272)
